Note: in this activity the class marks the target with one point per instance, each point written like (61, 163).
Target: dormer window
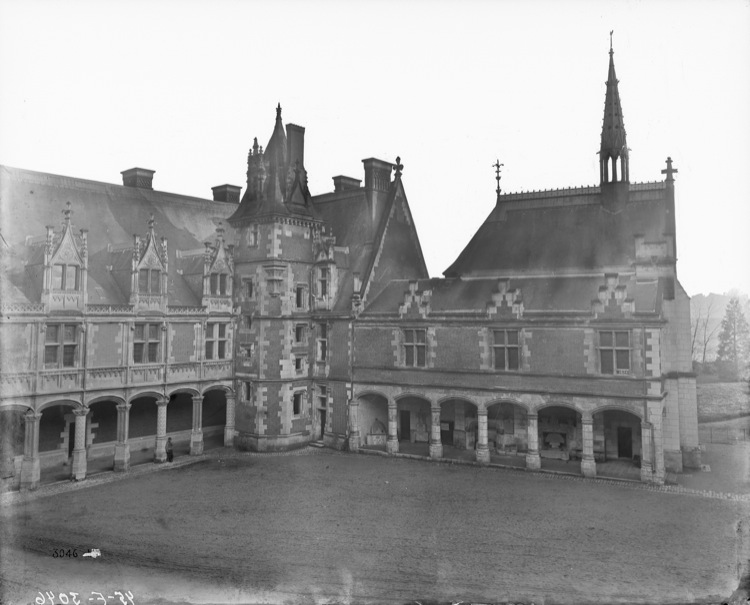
(65, 277)
(218, 284)
(323, 281)
(149, 281)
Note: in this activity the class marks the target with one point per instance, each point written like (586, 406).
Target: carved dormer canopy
(65, 266)
(612, 300)
(150, 266)
(218, 271)
(507, 302)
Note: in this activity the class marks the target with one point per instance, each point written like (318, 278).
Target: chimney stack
(377, 174)
(295, 144)
(345, 183)
(138, 177)
(227, 193)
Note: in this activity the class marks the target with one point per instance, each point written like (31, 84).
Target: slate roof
(539, 294)
(562, 231)
(111, 213)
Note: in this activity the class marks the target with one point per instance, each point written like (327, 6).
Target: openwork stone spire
(614, 145)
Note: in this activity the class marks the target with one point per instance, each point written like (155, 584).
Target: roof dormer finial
(66, 213)
(497, 165)
(611, 31)
(151, 223)
(278, 111)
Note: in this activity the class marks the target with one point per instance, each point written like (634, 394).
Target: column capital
(230, 396)
(32, 416)
(481, 411)
(162, 403)
(198, 398)
(83, 411)
(587, 419)
(124, 407)
(532, 416)
(646, 425)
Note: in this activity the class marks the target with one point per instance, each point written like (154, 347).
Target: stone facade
(560, 332)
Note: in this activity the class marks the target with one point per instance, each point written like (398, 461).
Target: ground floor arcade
(596, 435)
(63, 437)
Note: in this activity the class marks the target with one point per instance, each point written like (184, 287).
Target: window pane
(420, 336)
(605, 339)
(70, 333)
(299, 297)
(155, 282)
(408, 336)
(249, 288)
(512, 337)
(421, 357)
(622, 339)
(143, 281)
(323, 350)
(153, 352)
(248, 391)
(209, 349)
(50, 355)
(139, 331)
(53, 334)
(214, 279)
(222, 284)
(297, 403)
(607, 362)
(513, 358)
(222, 330)
(138, 352)
(623, 360)
(57, 277)
(499, 358)
(499, 337)
(222, 348)
(69, 356)
(409, 356)
(323, 330)
(153, 331)
(71, 277)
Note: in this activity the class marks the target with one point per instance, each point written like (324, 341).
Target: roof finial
(220, 231)
(66, 213)
(497, 165)
(611, 31)
(399, 166)
(278, 111)
(151, 222)
(669, 171)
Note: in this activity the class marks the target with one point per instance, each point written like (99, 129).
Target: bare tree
(703, 332)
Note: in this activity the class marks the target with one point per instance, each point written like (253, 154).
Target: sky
(181, 87)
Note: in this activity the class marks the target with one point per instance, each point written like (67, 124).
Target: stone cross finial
(497, 165)
(611, 31)
(220, 231)
(669, 171)
(151, 222)
(278, 111)
(399, 166)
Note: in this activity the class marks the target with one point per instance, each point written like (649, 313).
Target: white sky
(89, 89)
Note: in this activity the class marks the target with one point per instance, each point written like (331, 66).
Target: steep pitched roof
(562, 231)
(112, 214)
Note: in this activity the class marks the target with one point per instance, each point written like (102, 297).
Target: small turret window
(218, 283)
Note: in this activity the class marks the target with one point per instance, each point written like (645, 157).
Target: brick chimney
(138, 177)
(295, 144)
(377, 174)
(345, 183)
(227, 193)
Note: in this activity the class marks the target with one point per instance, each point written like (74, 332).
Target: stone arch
(11, 406)
(413, 417)
(372, 413)
(635, 410)
(507, 425)
(458, 428)
(617, 431)
(146, 393)
(192, 391)
(509, 400)
(99, 398)
(557, 404)
(12, 434)
(448, 398)
(71, 403)
(217, 387)
(214, 406)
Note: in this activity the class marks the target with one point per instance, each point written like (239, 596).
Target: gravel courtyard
(327, 527)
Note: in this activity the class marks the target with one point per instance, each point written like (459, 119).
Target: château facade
(280, 318)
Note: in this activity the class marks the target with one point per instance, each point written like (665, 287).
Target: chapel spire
(614, 145)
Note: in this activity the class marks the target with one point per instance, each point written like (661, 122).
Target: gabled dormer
(149, 273)
(65, 267)
(218, 269)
